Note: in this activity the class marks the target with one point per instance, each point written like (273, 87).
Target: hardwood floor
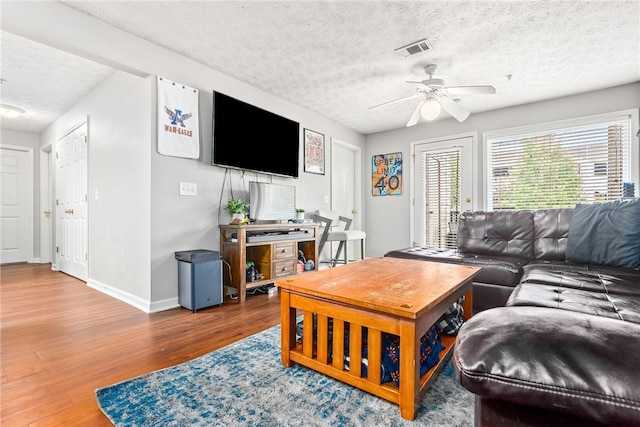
(60, 340)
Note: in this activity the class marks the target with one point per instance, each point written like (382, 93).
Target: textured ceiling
(337, 58)
(43, 81)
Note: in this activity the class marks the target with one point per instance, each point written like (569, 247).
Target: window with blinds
(561, 167)
(441, 179)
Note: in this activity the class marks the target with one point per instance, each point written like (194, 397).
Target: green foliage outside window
(546, 177)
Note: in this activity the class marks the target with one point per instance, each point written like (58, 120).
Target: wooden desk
(275, 254)
(398, 296)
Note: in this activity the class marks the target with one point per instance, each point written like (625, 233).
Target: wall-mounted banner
(386, 174)
(178, 120)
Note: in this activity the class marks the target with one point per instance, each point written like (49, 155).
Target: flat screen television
(250, 138)
(271, 202)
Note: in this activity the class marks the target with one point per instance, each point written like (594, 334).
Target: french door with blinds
(443, 177)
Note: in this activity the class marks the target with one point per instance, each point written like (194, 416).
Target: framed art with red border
(313, 152)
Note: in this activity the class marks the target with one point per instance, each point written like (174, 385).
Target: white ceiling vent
(414, 48)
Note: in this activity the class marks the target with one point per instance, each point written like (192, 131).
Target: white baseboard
(135, 301)
(166, 304)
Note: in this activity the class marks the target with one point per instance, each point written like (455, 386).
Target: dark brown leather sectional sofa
(553, 342)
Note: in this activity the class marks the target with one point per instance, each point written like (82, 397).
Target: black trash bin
(199, 279)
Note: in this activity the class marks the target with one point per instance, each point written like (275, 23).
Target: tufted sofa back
(498, 233)
(551, 232)
(540, 234)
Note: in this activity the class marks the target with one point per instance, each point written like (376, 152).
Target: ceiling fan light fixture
(430, 109)
(9, 111)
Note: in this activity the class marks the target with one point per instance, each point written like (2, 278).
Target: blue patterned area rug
(245, 384)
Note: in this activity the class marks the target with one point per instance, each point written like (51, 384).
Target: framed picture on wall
(313, 152)
(386, 174)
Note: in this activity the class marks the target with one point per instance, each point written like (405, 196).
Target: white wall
(388, 222)
(139, 220)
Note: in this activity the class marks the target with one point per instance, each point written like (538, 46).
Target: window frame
(634, 156)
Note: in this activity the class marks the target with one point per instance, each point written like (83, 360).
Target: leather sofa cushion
(551, 228)
(555, 360)
(603, 304)
(505, 233)
(497, 270)
(612, 280)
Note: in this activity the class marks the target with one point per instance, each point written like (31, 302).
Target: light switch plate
(188, 189)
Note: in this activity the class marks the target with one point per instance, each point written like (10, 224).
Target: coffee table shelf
(391, 391)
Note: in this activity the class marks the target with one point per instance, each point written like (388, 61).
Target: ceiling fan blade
(453, 108)
(397, 100)
(462, 90)
(415, 116)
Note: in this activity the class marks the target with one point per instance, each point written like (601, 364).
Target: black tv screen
(250, 138)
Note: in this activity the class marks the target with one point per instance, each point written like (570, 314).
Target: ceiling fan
(436, 98)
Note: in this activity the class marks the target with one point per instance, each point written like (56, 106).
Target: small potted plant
(238, 210)
(299, 214)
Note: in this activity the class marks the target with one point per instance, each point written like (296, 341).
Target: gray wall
(388, 218)
(183, 223)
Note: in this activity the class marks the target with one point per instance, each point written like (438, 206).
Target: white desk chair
(332, 232)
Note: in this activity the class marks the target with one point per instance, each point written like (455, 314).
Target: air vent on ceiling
(414, 48)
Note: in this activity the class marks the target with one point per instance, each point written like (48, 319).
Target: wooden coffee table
(398, 296)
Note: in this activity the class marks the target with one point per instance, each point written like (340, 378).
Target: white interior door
(345, 188)
(71, 203)
(443, 177)
(16, 204)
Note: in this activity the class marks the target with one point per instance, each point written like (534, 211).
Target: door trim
(46, 226)
(30, 193)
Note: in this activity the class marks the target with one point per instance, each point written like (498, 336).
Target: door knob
(47, 212)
